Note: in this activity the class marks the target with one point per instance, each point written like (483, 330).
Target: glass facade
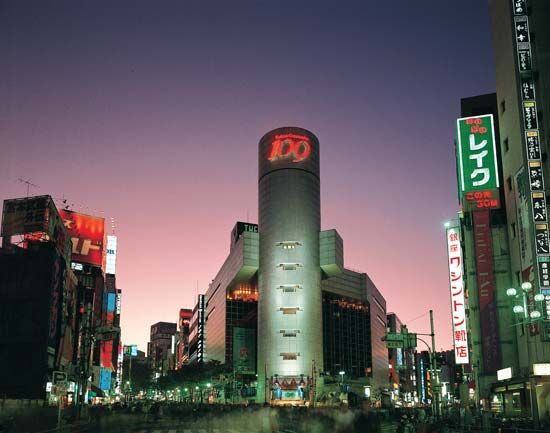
(346, 335)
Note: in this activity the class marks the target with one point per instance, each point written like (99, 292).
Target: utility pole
(436, 387)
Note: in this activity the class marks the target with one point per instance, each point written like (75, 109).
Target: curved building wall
(289, 276)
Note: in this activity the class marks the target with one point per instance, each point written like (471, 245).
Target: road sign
(394, 344)
(59, 377)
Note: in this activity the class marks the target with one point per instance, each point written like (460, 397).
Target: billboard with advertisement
(244, 350)
(458, 308)
(476, 153)
(87, 235)
(36, 218)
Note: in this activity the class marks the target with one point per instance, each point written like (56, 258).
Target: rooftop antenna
(28, 183)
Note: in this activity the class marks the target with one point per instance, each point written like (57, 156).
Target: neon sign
(290, 146)
(482, 200)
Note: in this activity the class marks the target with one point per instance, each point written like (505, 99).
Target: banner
(486, 287)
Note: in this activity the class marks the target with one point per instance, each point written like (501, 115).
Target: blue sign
(105, 379)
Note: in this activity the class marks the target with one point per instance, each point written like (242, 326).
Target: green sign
(476, 154)
(403, 340)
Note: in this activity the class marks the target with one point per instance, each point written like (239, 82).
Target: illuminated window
(288, 245)
(289, 288)
(289, 332)
(289, 310)
(289, 356)
(290, 266)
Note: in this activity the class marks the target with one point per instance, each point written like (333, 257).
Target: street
(241, 421)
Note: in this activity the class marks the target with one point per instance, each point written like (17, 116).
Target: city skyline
(173, 141)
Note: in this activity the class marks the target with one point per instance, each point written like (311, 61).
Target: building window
(289, 356)
(288, 245)
(289, 310)
(513, 228)
(506, 144)
(509, 183)
(518, 278)
(502, 106)
(289, 332)
(289, 288)
(290, 266)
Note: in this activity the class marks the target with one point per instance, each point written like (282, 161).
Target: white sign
(456, 280)
(541, 369)
(110, 256)
(504, 374)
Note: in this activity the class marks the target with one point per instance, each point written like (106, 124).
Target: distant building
(159, 348)
(182, 338)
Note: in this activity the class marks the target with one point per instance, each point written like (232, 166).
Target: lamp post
(521, 309)
(342, 374)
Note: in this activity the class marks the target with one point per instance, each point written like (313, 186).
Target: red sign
(87, 235)
(482, 200)
(290, 146)
(106, 354)
(486, 288)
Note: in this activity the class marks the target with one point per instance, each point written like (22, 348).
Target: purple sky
(150, 112)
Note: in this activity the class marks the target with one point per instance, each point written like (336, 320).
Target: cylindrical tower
(290, 338)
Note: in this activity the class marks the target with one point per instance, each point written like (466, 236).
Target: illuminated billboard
(110, 255)
(87, 236)
(36, 218)
(456, 280)
(476, 153)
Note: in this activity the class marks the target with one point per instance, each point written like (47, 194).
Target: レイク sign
(477, 159)
(456, 279)
(292, 146)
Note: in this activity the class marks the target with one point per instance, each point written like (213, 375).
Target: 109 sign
(476, 154)
(292, 146)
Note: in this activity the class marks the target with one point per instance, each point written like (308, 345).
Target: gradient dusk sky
(150, 112)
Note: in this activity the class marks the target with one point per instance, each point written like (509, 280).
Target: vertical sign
(456, 280)
(486, 291)
(477, 161)
(110, 255)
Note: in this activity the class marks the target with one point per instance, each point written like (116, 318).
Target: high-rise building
(504, 221)
(283, 306)
(521, 36)
(38, 305)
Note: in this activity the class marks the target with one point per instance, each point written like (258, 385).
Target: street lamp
(342, 373)
(521, 306)
(529, 317)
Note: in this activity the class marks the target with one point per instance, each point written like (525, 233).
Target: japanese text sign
(456, 279)
(476, 154)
